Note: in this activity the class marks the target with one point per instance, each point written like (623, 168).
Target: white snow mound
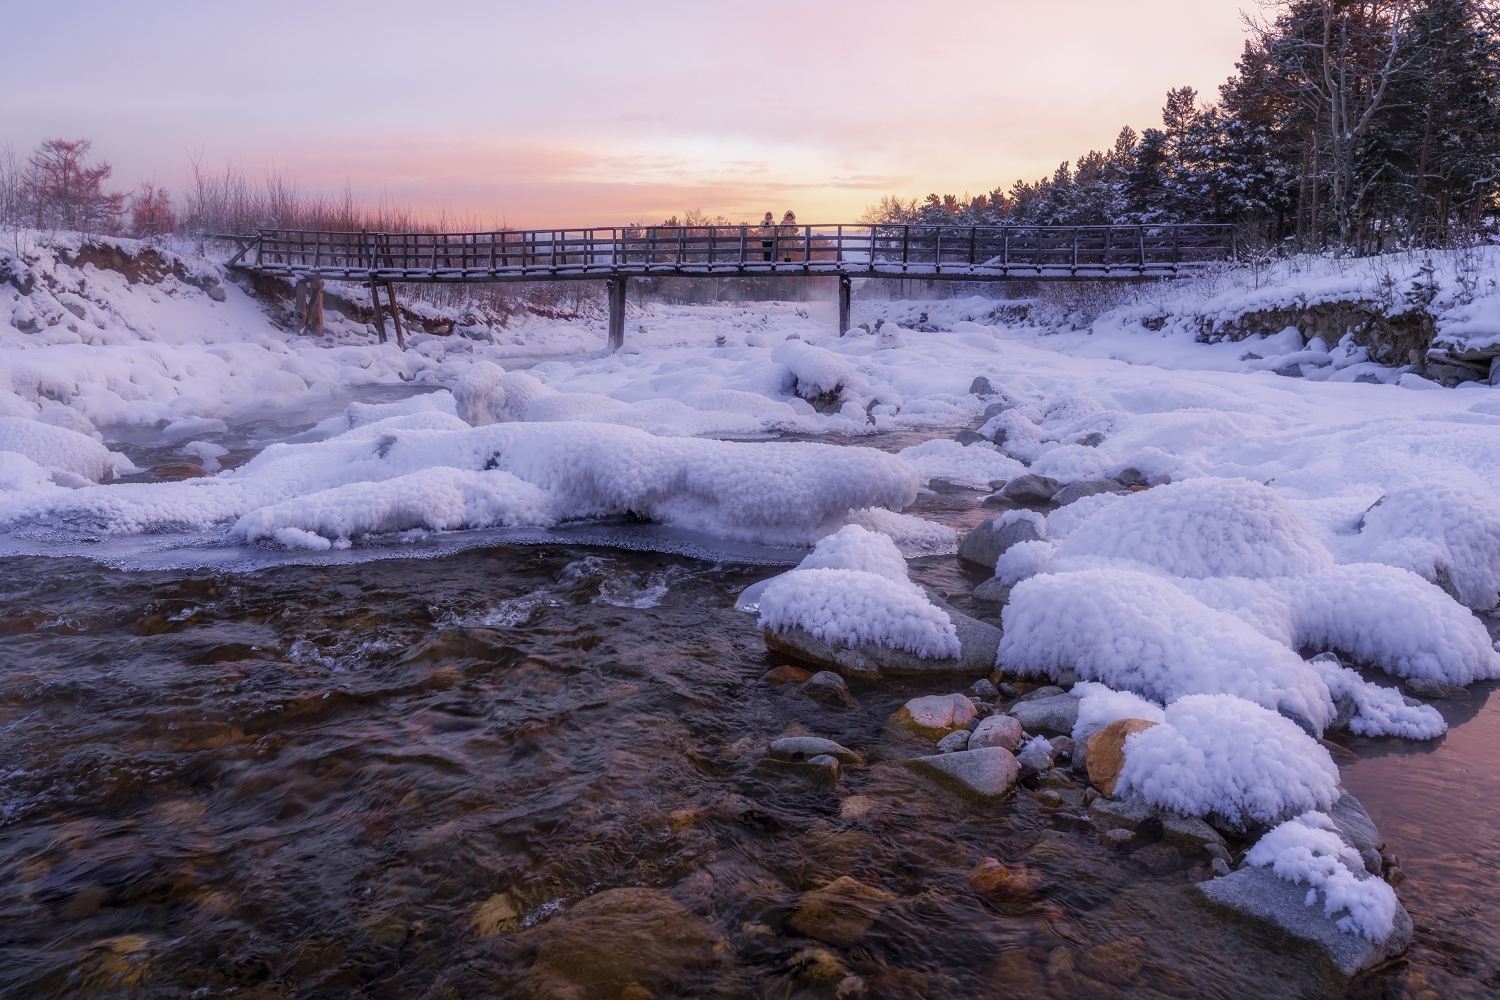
(1221, 755)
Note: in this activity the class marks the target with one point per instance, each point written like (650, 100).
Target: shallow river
(424, 778)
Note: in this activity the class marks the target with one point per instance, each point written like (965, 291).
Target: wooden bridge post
(617, 287)
(844, 284)
(379, 317)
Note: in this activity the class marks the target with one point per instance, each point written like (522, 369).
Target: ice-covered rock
(56, 447)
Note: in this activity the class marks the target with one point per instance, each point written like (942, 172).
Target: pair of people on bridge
(781, 242)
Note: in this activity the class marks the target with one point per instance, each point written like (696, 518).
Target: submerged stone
(841, 912)
(802, 748)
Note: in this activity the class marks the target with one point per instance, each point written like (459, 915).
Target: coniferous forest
(1357, 127)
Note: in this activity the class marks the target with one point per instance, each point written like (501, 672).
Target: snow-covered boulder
(1304, 880)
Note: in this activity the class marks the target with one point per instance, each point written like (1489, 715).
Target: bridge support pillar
(379, 316)
(844, 283)
(617, 287)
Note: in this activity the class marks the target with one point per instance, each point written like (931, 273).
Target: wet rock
(1216, 850)
(978, 642)
(841, 912)
(1355, 824)
(1016, 975)
(1129, 814)
(1219, 867)
(1035, 756)
(1087, 488)
(981, 387)
(1159, 858)
(991, 591)
(1424, 687)
(816, 965)
(936, 715)
(1106, 752)
(995, 409)
(1038, 693)
(954, 742)
(1257, 895)
(1031, 490)
(1054, 715)
(1055, 778)
(1065, 981)
(803, 748)
(1092, 439)
(987, 774)
(786, 674)
(992, 878)
(827, 688)
(1048, 797)
(856, 806)
(1371, 858)
(967, 437)
(1007, 689)
(174, 472)
(1118, 961)
(989, 540)
(1117, 837)
(497, 915)
(1002, 731)
(983, 690)
(614, 938)
(1132, 477)
(826, 769)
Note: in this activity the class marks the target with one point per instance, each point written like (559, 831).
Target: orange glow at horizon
(607, 113)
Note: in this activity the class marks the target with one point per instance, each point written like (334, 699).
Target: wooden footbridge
(958, 253)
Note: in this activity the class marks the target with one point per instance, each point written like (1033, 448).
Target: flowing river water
(537, 771)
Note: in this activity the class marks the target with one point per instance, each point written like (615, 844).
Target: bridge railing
(844, 249)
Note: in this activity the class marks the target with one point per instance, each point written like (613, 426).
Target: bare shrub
(151, 212)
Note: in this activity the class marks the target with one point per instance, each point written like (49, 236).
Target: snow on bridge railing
(931, 251)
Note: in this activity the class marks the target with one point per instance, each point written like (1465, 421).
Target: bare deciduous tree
(61, 191)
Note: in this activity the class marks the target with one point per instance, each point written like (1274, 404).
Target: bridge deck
(972, 253)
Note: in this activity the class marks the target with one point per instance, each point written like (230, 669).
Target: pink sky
(601, 113)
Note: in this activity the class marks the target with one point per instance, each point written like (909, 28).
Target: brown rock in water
(174, 472)
(496, 915)
(935, 716)
(815, 965)
(620, 937)
(993, 878)
(786, 674)
(1017, 977)
(1117, 962)
(841, 912)
(1067, 983)
(1106, 752)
